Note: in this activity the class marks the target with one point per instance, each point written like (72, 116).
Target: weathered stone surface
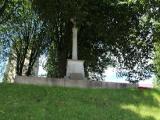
(74, 44)
(76, 76)
(109, 85)
(55, 82)
(71, 83)
(76, 83)
(31, 80)
(75, 69)
(94, 84)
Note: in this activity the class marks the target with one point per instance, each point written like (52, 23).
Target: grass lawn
(27, 102)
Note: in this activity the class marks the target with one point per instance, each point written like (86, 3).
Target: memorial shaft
(74, 44)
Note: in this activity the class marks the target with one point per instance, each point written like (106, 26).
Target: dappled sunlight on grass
(157, 97)
(143, 109)
(29, 102)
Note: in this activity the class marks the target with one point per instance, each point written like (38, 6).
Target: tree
(27, 36)
(155, 13)
(3, 6)
(6, 10)
(157, 62)
(109, 32)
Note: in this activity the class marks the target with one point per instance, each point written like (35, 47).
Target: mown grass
(27, 102)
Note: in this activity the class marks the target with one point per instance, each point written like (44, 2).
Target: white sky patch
(3, 69)
(147, 83)
(42, 63)
(110, 76)
(1, 77)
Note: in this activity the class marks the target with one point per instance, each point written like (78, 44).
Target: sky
(110, 75)
(1, 70)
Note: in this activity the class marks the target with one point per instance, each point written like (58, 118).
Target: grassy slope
(23, 102)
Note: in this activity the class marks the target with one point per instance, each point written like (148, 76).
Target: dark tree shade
(109, 32)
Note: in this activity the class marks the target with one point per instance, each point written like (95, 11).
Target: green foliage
(26, 35)
(51, 66)
(27, 102)
(156, 35)
(6, 10)
(157, 62)
(110, 33)
(117, 33)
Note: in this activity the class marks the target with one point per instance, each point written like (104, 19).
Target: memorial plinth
(75, 67)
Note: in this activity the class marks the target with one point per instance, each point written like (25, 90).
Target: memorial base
(75, 70)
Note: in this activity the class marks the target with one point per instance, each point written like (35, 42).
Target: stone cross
(75, 67)
(74, 41)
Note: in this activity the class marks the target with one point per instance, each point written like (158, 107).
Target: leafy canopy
(110, 33)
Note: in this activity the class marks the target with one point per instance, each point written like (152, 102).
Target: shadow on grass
(48, 103)
(110, 102)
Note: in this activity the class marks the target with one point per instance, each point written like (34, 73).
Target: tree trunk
(62, 60)
(64, 49)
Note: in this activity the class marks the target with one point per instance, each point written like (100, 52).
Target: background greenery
(115, 33)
